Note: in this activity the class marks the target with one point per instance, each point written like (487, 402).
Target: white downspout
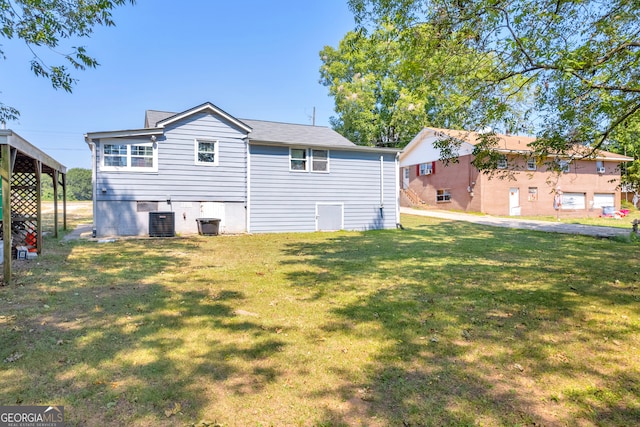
(381, 182)
(248, 211)
(397, 168)
(94, 167)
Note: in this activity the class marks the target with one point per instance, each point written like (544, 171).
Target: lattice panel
(24, 203)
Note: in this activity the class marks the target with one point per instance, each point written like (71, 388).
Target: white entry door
(514, 201)
(405, 178)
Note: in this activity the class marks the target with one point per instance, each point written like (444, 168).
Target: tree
(389, 84)
(78, 182)
(625, 140)
(44, 24)
(577, 60)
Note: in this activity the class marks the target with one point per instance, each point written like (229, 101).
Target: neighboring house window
(531, 164)
(443, 196)
(533, 194)
(600, 167)
(564, 166)
(298, 159)
(320, 160)
(128, 156)
(207, 152)
(502, 162)
(425, 169)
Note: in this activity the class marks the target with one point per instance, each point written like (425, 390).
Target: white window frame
(308, 159)
(313, 160)
(445, 197)
(127, 155)
(532, 164)
(502, 162)
(304, 159)
(426, 168)
(216, 150)
(564, 166)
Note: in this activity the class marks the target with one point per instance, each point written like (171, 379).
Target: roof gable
(261, 130)
(206, 107)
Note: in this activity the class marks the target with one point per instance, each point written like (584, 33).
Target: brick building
(521, 185)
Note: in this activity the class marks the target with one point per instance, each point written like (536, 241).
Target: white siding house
(255, 176)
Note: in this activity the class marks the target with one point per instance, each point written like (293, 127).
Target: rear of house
(254, 176)
(523, 185)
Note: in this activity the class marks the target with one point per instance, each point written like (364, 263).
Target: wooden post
(38, 166)
(55, 203)
(5, 173)
(64, 201)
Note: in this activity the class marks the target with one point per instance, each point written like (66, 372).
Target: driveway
(527, 224)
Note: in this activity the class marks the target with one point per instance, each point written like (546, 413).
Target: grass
(625, 222)
(444, 323)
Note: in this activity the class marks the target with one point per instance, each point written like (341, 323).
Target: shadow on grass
(481, 322)
(119, 338)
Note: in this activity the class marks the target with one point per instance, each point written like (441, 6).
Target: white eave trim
(354, 147)
(205, 107)
(123, 133)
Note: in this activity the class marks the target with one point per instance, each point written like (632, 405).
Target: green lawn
(624, 222)
(443, 323)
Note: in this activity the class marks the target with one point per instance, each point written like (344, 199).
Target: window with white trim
(502, 162)
(206, 152)
(298, 159)
(319, 160)
(114, 155)
(141, 157)
(308, 159)
(563, 165)
(425, 169)
(443, 195)
(532, 164)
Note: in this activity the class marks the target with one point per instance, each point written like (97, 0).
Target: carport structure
(22, 166)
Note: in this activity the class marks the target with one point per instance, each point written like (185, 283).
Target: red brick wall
(491, 195)
(457, 178)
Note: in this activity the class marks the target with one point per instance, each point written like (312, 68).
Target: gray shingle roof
(287, 133)
(274, 132)
(152, 117)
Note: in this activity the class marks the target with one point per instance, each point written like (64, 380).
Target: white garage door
(601, 200)
(573, 201)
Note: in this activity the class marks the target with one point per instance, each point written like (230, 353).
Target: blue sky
(254, 59)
